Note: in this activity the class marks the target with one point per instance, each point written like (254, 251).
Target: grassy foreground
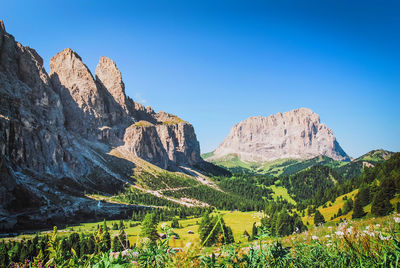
(373, 242)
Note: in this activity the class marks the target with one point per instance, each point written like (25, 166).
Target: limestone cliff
(294, 134)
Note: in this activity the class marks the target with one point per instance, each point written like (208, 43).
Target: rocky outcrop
(56, 132)
(294, 134)
(84, 107)
(31, 118)
(165, 144)
(108, 76)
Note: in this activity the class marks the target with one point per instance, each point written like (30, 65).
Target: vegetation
(149, 228)
(279, 222)
(316, 216)
(213, 230)
(143, 123)
(365, 243)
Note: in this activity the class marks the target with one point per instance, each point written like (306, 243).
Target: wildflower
(396, 219)
(378, 225)
(327, 236)
(339, 233)
(188, 244)
(382, 237)
(350, 230)
(329, 244)
(367, 228)
(314, 237)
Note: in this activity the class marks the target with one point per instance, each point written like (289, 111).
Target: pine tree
(121, 225)
(149, 227)
(175, 223)
(348, 206)
(213, 230)
(339, 213)
(107, 241)
(318, 218)
(364, 194)
(116, 245)
(358, 211)
(283, 225)
(105, 227)
(381, 205)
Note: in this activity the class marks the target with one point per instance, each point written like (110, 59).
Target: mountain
(354, 168)
(297, 134)
(69, 133)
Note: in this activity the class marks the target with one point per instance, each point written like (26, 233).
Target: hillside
(285, 167)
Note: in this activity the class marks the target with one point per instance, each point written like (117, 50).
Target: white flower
(329, 244)
(369, 233)
(367, 228)
(378, 225)
(339, 233)
(382, 237)
(329, 227)
(327, 236)
(350, 230)
(396, 219)
(188, 244)
(314, 237)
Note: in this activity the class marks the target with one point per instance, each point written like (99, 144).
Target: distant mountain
(297, 134)
(355, 167)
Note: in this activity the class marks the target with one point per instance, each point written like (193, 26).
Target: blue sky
(215, 63)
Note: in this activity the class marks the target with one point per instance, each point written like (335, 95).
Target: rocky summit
(296, 134)
(57, 131)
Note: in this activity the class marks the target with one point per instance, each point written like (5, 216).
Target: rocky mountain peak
(108, 75)
(295, 134)
(72, 80)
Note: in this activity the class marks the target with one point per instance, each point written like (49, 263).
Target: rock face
(56, 131)
(294, 134)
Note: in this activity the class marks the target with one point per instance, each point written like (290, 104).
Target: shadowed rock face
(294, 134)
(57, 130)
(99, 110)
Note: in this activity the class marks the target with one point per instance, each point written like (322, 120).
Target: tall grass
(364, 243)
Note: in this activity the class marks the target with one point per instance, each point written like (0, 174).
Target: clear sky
(215, 63)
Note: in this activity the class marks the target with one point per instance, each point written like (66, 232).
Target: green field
(238, 221)
(281, 191)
